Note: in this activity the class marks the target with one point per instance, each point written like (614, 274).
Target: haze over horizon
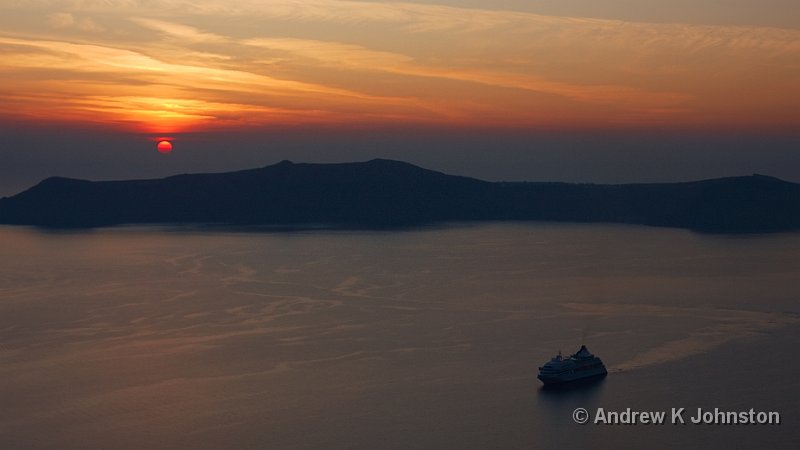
(528, 91)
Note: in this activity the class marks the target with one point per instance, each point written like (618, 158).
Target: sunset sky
(247, 82)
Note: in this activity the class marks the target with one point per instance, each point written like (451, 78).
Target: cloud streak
(362, 62)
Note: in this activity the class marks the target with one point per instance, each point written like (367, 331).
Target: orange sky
(172, 66)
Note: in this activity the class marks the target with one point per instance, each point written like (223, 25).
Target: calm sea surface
(139, 338)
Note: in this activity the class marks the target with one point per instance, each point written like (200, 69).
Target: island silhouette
(384, 193)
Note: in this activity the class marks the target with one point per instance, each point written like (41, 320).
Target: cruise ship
(580, 366)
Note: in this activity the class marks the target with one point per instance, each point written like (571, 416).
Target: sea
(426, 338)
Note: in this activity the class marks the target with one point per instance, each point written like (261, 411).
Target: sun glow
(167, 73)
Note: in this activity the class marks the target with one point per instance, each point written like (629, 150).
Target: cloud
(61, 20)
(356, 57)
(126, 86)
(90, 26)
(66, 20)
(178, 31)
(334, 53)
(414, 61)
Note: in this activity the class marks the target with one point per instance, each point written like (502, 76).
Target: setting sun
(164, 146)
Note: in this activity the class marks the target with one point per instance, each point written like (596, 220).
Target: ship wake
(725, 325)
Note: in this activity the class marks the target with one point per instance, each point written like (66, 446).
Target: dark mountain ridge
(384, 193)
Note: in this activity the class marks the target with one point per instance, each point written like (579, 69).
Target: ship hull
(559, 381)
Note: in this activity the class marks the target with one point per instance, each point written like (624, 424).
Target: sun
(164, 146)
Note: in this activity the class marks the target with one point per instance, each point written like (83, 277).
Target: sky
(569, 90)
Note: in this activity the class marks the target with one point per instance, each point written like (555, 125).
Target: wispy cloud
(179, 31)
(67, 20)
(89, 70)
(61, 20)
(332, 54)
(395, 61)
